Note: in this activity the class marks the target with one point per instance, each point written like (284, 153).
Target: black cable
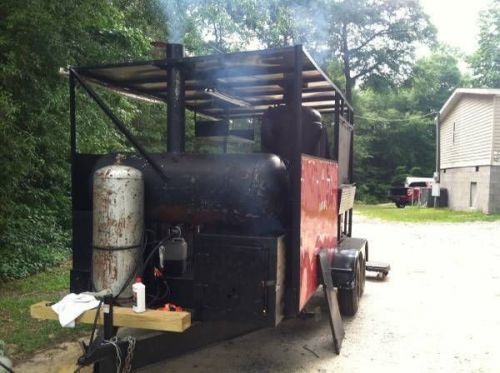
(150, 255)
(137, 263)
(6, 367)
(131, 276)
(135, 272)
(158, 297)
(95, 322)
(94, 326)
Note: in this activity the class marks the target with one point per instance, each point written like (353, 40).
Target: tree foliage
(485, 62)
(36, 39)
(375, 39)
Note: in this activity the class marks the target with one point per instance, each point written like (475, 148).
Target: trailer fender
(346, 255)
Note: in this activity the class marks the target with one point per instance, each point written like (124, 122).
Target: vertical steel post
(351, 165)
(72, 131)
(351, 149)
(176, 115)
(336, 135)
(438, 156)
(438, 149)
(295, 102)
(337, 127)
(107, 308)
(72, 117)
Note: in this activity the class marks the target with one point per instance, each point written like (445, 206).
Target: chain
(127, 364)
(114, 342)
(127, 367)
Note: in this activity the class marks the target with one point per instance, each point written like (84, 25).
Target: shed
(469, 149)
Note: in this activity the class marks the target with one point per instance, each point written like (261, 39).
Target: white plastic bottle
(139, 292)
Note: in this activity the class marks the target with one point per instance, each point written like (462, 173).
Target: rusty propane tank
(117, 224)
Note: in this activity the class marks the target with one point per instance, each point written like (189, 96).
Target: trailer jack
(108, 351)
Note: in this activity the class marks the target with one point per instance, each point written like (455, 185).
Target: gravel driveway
(439, 311)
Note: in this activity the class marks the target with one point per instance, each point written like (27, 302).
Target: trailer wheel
(349, 298)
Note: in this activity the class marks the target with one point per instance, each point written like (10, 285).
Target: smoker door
(239, 278)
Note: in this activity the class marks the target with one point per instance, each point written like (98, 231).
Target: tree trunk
(347, 63)
(348, 86)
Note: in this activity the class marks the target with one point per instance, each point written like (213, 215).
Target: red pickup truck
(403, 196)
(409, 194)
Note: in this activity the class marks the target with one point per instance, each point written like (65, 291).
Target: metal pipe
(438, 149)
(295, 102)
(121, 127)
(336, 128)
(349, 232)
(176, 114)
(72, 115)
(72, 119)
(351, 149)
(437, 178)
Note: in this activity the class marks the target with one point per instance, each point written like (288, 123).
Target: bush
(33, 240)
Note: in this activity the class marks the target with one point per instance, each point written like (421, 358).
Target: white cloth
(72, 306)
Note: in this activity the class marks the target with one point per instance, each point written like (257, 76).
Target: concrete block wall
(494, 207)
(458, 183)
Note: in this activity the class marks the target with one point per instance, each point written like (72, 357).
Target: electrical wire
(95, 322)
(7, 369)
(154, 299)
(136, 267)
(153, 251)
(133, 274)
(94, 326)
(378, 119)
(114, 342)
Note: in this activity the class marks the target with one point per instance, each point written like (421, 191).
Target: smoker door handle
(265, 285)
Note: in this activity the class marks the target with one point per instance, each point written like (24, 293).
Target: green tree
(281, 23)
(485, 62)
(375, 39)
(395, 132)
(37, 38)
(433, 79)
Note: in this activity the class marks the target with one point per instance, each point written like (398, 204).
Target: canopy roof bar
(259, 78)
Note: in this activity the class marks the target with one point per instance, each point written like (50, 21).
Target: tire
(349, 298)
(400, 205)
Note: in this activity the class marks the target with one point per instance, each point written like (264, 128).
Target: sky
(456, 21)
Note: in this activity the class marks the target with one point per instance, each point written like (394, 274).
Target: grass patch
(23, 334)
(414, 214)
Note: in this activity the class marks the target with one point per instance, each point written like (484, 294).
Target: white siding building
(469, 140)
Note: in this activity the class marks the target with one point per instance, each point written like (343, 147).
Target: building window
(454, 132)
(444, 170)
(477, 168)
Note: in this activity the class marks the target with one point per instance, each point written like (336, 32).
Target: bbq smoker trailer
(239, 241)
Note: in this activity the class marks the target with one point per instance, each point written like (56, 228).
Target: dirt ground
(438, 310)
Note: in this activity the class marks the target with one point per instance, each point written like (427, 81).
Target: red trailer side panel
(318, 219)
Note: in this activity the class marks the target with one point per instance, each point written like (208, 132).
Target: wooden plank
(124, 316)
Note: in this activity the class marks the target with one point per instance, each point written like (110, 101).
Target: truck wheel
(400, 205)
(349, 298)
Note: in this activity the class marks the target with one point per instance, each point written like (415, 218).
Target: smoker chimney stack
(175, 100)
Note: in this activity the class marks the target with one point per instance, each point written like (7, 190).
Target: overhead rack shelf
(259, 78)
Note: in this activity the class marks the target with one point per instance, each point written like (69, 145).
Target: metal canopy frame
(260, 78)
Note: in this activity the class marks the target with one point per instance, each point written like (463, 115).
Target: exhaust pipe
(176, 114)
